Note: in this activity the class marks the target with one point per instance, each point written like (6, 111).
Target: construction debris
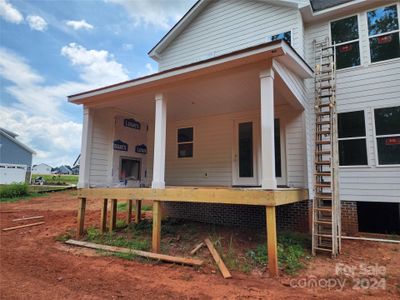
(167, 258)
(197, 248)
(224, 270)
(28, 218)
(23, 226)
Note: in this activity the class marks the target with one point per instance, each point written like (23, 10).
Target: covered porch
(205, 133)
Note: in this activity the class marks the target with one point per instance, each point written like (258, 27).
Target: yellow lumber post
(156, 226)
(138, 212)
(129, 213)
(272, 242)
(113, 217)
(81, 216)
(103, 221)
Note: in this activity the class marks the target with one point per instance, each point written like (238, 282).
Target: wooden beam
(138, 212)
(156, 241)
(218, 260)
(248, 196)
(113, 215)
(193, 252)
(28, 218)
(167, 258)
(103, 220)
(22, 226)
(81, 216)
(129, 212)
(272, 242)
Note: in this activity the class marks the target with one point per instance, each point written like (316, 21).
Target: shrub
(13, 190)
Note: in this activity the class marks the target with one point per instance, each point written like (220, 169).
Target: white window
(387, 131)
(383, 32)
(345, 37)
(185, 142)
(352, 139)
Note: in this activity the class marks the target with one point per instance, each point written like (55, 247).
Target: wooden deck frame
(244, 196)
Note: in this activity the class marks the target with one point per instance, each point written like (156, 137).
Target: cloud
(10, 13)
(150, 69)
(159, 13)
(37, 113)
(76, 25)
(127, 46)
(37, 23)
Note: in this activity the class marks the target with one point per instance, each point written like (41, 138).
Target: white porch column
(268, 180)
(86, 148)
(159, 142)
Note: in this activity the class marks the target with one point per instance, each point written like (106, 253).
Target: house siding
(225, 26)
(12, 153)
(364, 87)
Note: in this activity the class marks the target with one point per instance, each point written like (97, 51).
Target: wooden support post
(272, 242)
(103, 221)
(113, 217)
(129, 213)
(81, 216)
(138, 212)
(156, 226)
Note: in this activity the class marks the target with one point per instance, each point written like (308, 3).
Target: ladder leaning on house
(326, 219)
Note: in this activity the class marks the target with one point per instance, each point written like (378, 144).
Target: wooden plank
(163, 257)
(22, 226)
(28, 218)
(113, 215)
(156, 239)
(81, 216)
(138, 212)
(246, 196)
(103, 219)
(193, 252)
(272, 242)
(224, 270)
(129, 212)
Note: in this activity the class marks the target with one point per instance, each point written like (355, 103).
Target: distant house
(15, 158)
(65, 170)
(41, 169)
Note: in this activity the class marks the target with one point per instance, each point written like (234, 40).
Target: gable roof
(11, 136)
(191, 14)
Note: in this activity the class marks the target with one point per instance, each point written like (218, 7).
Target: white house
(233, 106)
(42, 168)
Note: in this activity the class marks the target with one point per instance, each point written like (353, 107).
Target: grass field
(53, 179)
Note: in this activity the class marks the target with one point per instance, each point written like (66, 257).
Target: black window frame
(354, 138)
(383, 34)
(347, 42)
(378, 136)
(186, 142)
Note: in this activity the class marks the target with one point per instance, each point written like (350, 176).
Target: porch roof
(278, 49)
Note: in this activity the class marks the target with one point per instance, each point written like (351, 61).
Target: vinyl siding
(228, 25)
(365, 87)
(12, 153)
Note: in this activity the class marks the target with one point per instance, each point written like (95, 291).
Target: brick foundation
(292, 217)
(349, 218)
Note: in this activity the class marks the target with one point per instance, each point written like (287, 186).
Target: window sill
(349, 69)
(383, 62)
(354, 167)
(388, 166)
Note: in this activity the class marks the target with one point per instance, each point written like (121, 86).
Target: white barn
(42, 168)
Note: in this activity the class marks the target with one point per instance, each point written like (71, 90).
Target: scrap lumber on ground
(22, 226)
(224, 270)
(193, 252)
(28, 218)
(163, 257)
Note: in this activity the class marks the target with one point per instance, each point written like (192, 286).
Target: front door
(245, 153)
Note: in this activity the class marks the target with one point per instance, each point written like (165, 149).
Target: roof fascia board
(300, 68)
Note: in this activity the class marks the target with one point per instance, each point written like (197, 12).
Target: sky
(50, 49)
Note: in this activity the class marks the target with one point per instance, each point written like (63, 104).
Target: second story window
(185, 142)
(383, 32)
(286, 36)
(352, 139)
(345, 37)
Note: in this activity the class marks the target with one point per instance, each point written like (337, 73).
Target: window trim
(269, 37)
(348, 42)
(368, 165)
(384, 135)
(179, 143)
(371, 63)
(130, 158)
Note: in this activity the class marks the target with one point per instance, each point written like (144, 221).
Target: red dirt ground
(35, 266)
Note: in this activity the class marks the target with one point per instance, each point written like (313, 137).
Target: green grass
(292, 251)
(13, 190)
(52, 179)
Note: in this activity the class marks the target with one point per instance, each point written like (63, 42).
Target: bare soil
(34, 265)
